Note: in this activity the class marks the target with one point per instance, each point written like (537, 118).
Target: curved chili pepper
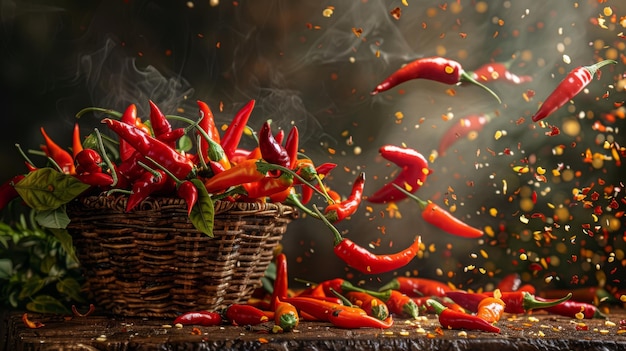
(318, 308)
(413, 174)
(207, 123)
(281, 282)
(414, 286)
(340, 210)
(573, 308)
(160, 125)
(286, 315)
(443, 219)
(268, 186)
(88, 160)
(232, 135)
(451, 319)
(188, 191)
(353, 320)
(172, 136)
(373, 306)
(176, 163)
(62, 158)
(491, 308)
(129, 117)
(575, 81)
(439, 69)
(362, 259)
(516, 302)
(468, 124)
(77, 145)
(203, 318)
(31, 324)
(240, 314)
(241, 173)
(498, 71)
(95, 179)
(271, 150)
(146, 184)
(588, 294)
(291, 145)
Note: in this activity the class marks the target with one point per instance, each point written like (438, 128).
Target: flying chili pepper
(443, 219)
(203, 318)
(415, 286)
(458, 320)
(467, 125)
(575, 81)
(340, 210)
(439, 69)
(498, 71)
(362, 259)
(353, 320)
(413, 174)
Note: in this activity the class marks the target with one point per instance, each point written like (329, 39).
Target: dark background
(310, 69)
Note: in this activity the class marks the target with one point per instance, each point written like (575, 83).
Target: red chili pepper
(588, 294)
(241, 173)
(318, 308)
(570, 86)
(414, 286)
(271, 150)
(8, 192)
(145, 185)
(291, 145)
(232, 135)
(88, 160)
(95, 179)
(516, 302)
(31, 324)
(412, 176)
(129, 117)
(172, 136)
(439, 69)
(62, 158)
(340, 210)
(443, 219)
(451, 319)
(498, 71)
(179, 165)
(510, 282)
(268, 186)
(77, 145)
(373, 306)
(160, 125)
(207, 123)
(491, 308)
(285, 315)
(281, 282)
(203, 318)
(468, 124)
(573, 308)
(188, 191)
(240, 314)
(354, 320)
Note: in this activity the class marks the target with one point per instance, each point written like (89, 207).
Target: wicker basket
(152, 262)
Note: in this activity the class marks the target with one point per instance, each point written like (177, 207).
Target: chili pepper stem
(293, 200)
(422, 203)
(19, 149)
(466, 77)
(109, 112)
(105, 157)
(593, 69)
(338, 237)
(265, 167)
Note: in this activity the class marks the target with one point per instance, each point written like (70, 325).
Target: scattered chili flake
(31, 324)
(196, 331)
(396, 13)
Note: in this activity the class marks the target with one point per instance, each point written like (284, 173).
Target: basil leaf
(184, 143)
(47, 304)
(56, 218)
(203, 213)
(71, 288)
(47, 189)
(31, 287)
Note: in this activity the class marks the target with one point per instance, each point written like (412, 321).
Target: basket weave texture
(152, 262)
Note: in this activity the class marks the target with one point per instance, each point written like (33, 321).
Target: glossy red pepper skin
(188, 191)
(240, 314)
(517, 302)
(468, 124)
(268, 186)
(573, 308)
(412, 176)
(179, 165)
(353, 320)
(451, 319)
(510, 282)
(498, 71)
(291, 145)
(232, 135)
(318, 308)
(160, 125)
(88, 160)
(416, 287)
(438, 69)
(281, 283)
(144, 186)
(203, 318)
(63, 158)
(340, 210)
(241, 173)
(271, 150)
(207, 123)
(129, 117)
(575, 81)
(366, 262)
(98, 179)
(443, 219)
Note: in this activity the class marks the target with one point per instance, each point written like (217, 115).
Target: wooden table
(538, 331)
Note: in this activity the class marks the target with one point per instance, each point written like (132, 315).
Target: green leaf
(47, 263)
(47, 304)
(203, 213)
(56, 218)
(6, 268)
(65, 239)
(71, 288)
(47, 189)
(31, 287)
(185, 143)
